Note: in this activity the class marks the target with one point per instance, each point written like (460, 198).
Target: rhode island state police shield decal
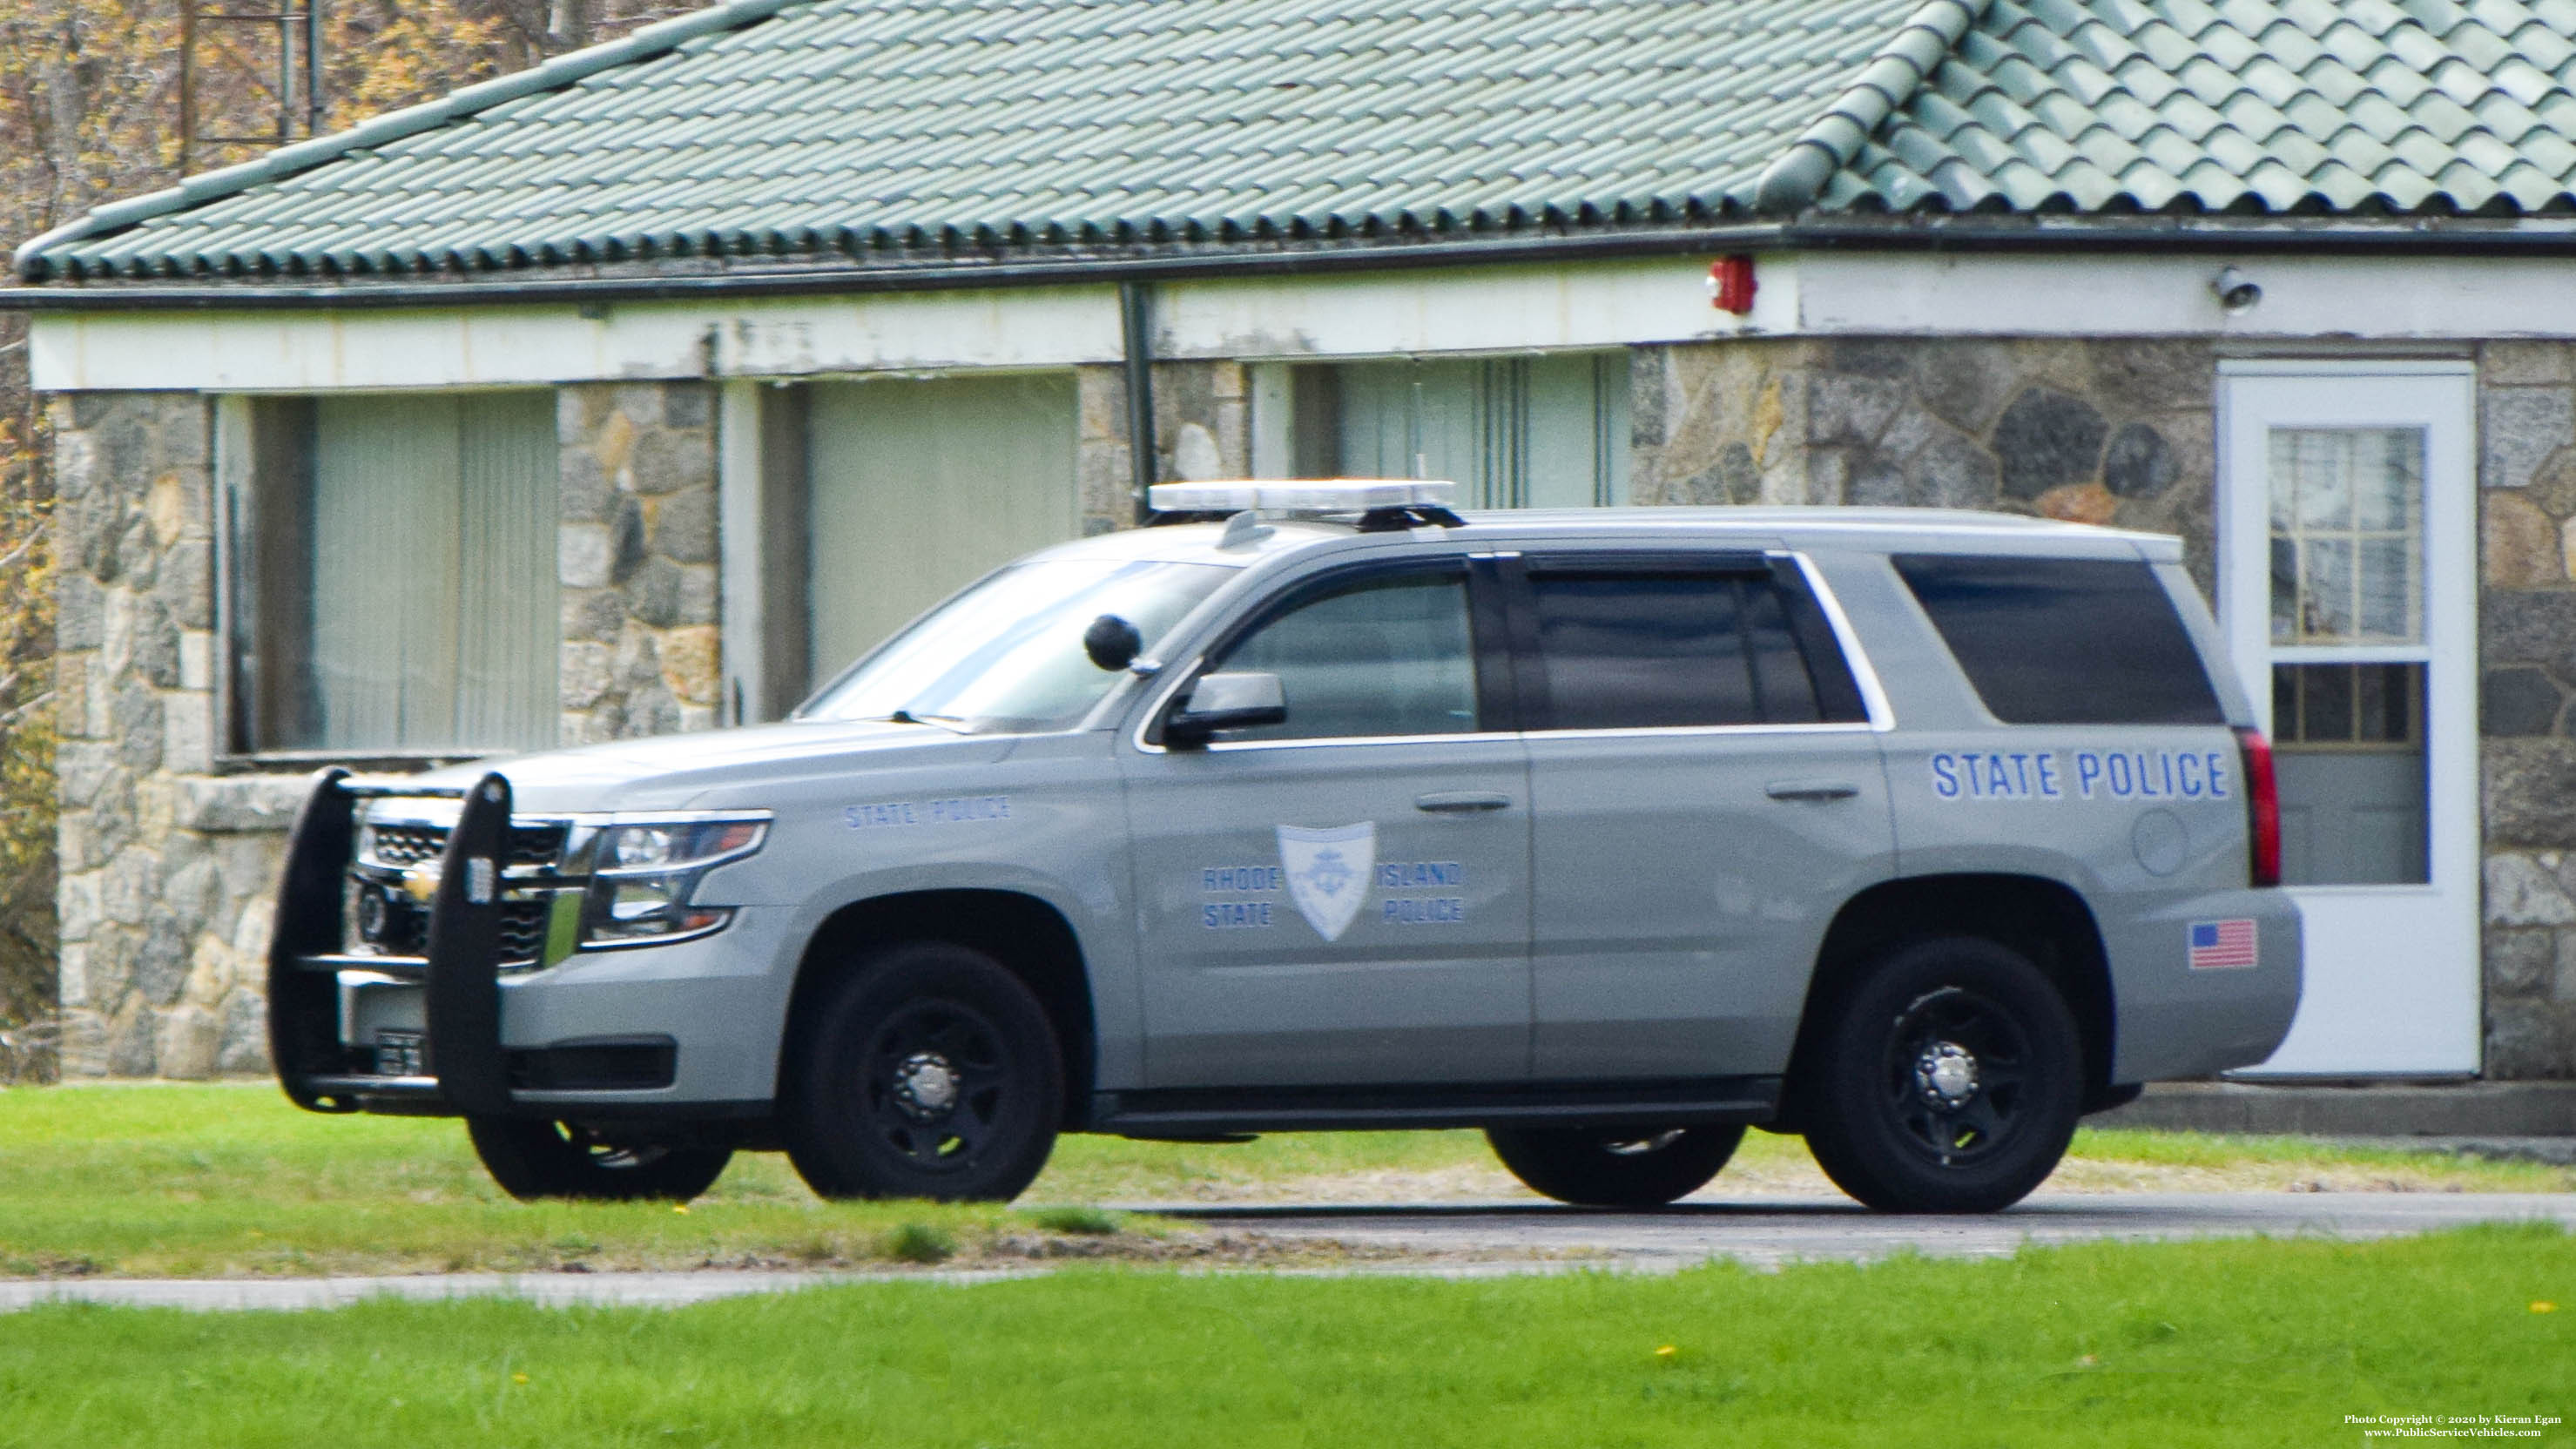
(1328, 873)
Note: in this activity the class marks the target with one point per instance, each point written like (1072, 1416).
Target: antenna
(218, 42)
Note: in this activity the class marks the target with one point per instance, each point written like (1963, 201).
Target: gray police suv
(1610, 833)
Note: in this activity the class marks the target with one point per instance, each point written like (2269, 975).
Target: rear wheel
(534, 1160)
(1614, 1166)
(1949, 1082)
(930, 1071)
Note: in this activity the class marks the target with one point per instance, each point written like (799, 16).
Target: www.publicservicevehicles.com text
(2451, 1426)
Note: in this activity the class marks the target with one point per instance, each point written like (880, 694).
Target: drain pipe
(1136, 321)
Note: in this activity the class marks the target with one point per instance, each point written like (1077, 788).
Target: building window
(1549, 431)
(917, 487)
(391, 573)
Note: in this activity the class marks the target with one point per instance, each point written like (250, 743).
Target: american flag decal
(2221, 945)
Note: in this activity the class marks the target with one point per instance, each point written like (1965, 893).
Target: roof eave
(486, 288)
(2393, 236)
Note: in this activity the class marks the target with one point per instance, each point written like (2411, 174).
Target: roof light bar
(1337, 495)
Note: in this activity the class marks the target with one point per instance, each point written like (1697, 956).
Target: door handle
(1810, 790)
(1460, 802)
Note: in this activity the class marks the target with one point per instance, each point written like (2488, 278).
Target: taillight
(2262, 805)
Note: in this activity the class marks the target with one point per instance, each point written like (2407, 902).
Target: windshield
(1007, 656)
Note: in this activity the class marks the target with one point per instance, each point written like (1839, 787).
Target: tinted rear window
(2065, 641)
(1634, 650)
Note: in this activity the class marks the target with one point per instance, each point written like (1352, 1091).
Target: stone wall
(1202, 429)
(170, 854)
(2527, 652)
(637, 559)
(2117, 432)
(167, 867)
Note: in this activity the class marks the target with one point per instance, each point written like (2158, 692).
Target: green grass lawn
(2192, 1344)
(229, 1180)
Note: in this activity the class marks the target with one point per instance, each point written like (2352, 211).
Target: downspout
(1136, 322)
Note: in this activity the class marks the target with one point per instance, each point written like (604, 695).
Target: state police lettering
(1422, 910)
(1326, 873)
(1238, 879)
(1426, 911)
(2080, 775)
(895, 814)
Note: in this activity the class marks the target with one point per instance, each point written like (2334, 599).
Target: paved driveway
(1476, 1239)
(1767, 1231)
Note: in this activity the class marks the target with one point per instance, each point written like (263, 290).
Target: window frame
(1816, 624)
(238, 451)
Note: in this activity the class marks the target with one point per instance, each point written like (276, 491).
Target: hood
(677, 772)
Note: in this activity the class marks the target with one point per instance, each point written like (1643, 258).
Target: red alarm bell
(1730, 283)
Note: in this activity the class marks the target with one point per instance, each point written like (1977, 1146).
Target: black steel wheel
(1624, 1167)
(1949, 1082)
(533, 1160)
(930, 1071)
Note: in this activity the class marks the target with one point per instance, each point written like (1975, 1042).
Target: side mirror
(1112, 642)
(1225, 702)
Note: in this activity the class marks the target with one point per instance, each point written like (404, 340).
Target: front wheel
(1949, 1081)
(929, 1071)
(1614, 1166)
(537, 1160)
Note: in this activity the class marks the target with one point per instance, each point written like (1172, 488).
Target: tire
(1949, 1082)
(1621, 1167)
(928, 1072)
(536, 1160)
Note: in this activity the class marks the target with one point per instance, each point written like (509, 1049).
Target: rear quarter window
(2064, 641)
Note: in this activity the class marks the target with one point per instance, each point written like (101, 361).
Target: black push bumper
(465, 1071)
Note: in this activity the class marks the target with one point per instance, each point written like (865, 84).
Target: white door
(2348, 589)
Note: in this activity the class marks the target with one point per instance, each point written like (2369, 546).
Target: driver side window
(1391, 654)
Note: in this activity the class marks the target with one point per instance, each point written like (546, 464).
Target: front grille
(523, 930)
(411, 844)
(641, 1065)
(406, 928)
(537, 844)
(408, 844)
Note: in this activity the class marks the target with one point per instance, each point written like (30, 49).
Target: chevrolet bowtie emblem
(420, 885)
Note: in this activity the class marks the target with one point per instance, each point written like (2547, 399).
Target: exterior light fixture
(2235, 291)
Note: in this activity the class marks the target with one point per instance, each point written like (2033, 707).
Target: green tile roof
(885, 129)
(2265, 106)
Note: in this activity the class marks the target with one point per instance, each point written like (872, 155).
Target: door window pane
(395, 575)
(2349, 742)
(1516, 432)
(916, 488)
(1645, 651)
(1386, 656)
(2347, 511)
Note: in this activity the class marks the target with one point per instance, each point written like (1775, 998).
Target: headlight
(688, 843)
(643, 875)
